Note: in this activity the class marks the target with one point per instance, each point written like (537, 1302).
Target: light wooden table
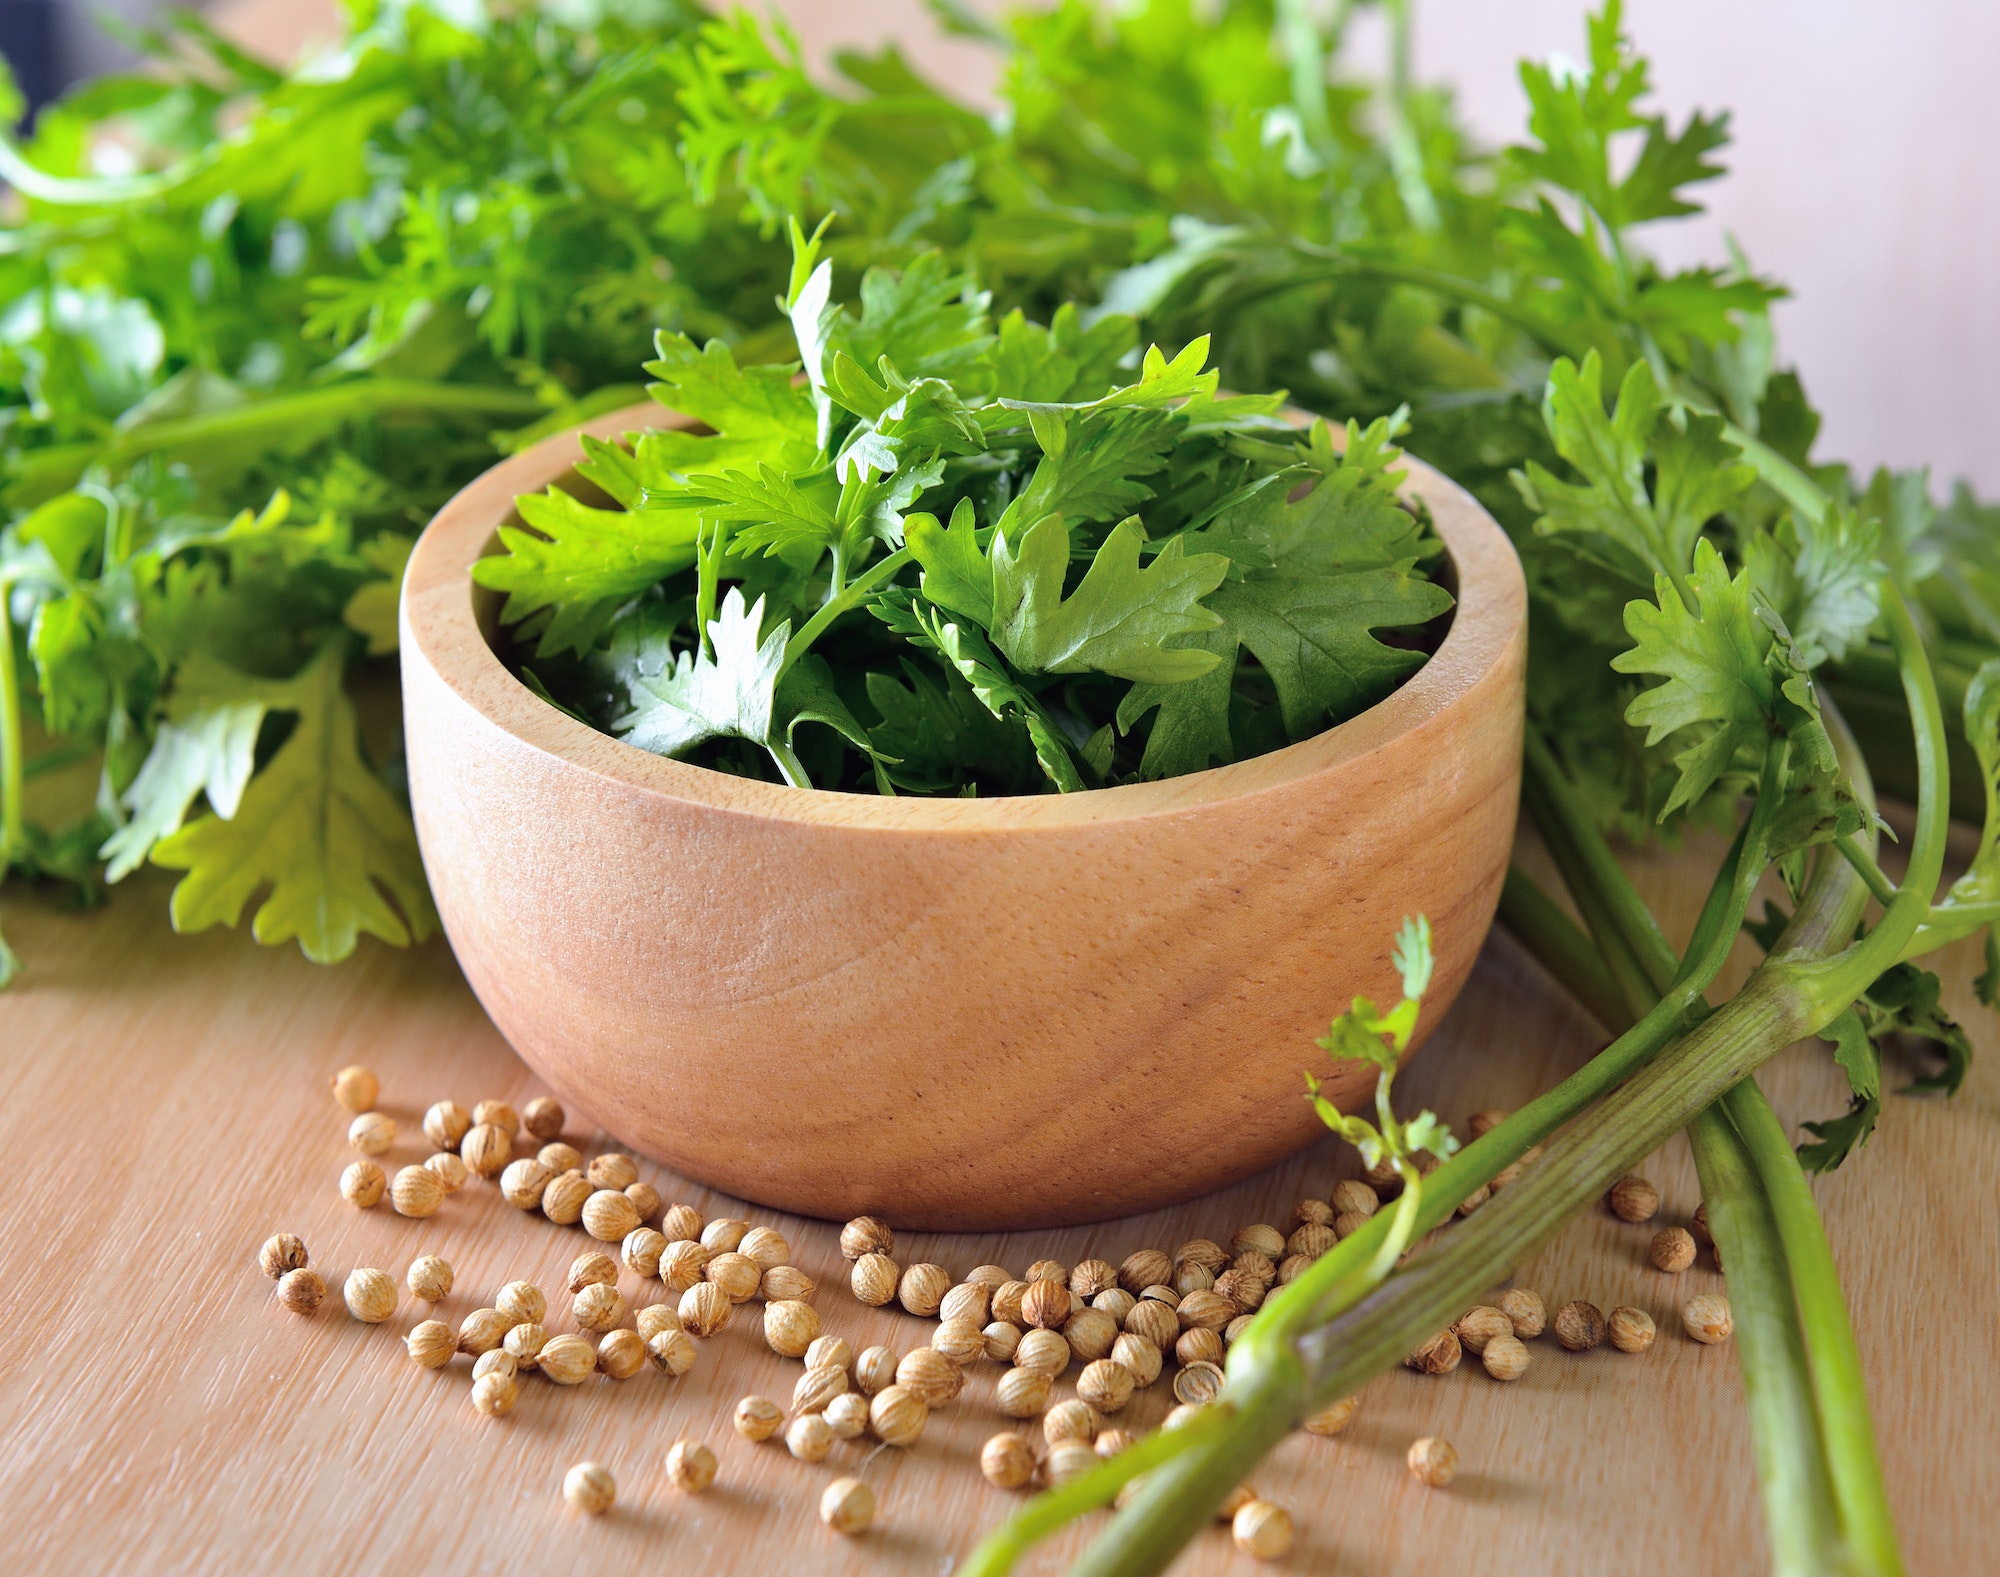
(164, 1107)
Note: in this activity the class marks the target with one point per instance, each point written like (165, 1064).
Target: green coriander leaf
(935, 732)
(1822, 577)
(726, 691)
(371, 611)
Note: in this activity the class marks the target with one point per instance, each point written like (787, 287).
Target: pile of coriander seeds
(1156, 1316)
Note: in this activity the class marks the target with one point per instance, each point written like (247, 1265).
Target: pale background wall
(1864, 175)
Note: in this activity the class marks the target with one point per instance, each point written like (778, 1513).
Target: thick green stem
(1802, 1522)
(1838, 1385)
(842, 600)
(1879, 886)
(1560, 945)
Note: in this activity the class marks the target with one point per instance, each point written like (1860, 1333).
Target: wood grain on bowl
(961, 1013)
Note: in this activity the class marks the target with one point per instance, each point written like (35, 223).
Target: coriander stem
(1560, 946)
(1865, 867)
(789, 764)
(841, 601)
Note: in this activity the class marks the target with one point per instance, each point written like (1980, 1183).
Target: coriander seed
(416, 1193)
(817, 1388)
(1181, 1416)
(722, 1234)
(1140, 1357)
(1579, 1326)
(1047, 1351)
(1005, 1303)
(621, 1354)
(930, 1375)
(370, 1295)
(1235, 1501)
(1201, 1252)
(543, 1117)
(736, 1274)
(1262, 1530)
(522, 1302)
(1295, 1266)
(1630, 1329)
(496, 1114)
(301, 1290)
(563, 1198)
(450, 1171)
(486, 1149)
(874, 1279)
(1525, 1309)
(1349, 1223)
(866, 1235)
(431, 1344)
(690, 1466)
(1705, 1317)
(498, 1361)
(1116, 1302)
(559, 1158)
(654, 1318)
(681, 1224)
(1351, 1196)
(523, 1183)
(922, 1288)
(1144, 1269)
(1244, 1289)
(361, 1185)
(1206, 1311)
(282, 1253)
(847, 1415)
(847, 1506)
(1105, 1385)
(1433, 1461)
(757, 1418)
(809, 1438)
(1068, 1461)
(641, 1251)
(567, 1360)
(1023, 1393)
(1075, 1419)
(766, 1246)
(598, 1307)
(1633, 1199)
(1316, 1212)
(495, 1394)
(1479, 1326)
(1331, 1420)
(1198, 1384)
(1048, 1270)
(482, 1330)
(1155, 1321)
(786, 1281)
(429, 1279)
(446, 1124)
(526, 1342)
(672, 1353)
(1312, 1239)
(961, 1341)
(874, 1370)
(1045, 1305)
(897, 1415)
(1090, 1333)
(1438, 1355)
(1198, 1344)
(682, 1265)
(1505, 1357)
(1110, 1442)
(988, 1276)
(705, 1308)
(1090, 1277)
(1002, 1341)
(829, 1352)
(592, 1268)
(1007, 1460)
(356, 1088)
(1672, 1250)
(1236, 1328)
(969, 1300)
(612, 1170)
(645, 1199)
(790, 1327)
(1259, 1239)
(609, 1216)
(372, 1133)
(590, 1488)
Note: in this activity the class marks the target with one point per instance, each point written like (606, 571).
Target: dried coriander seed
(1331, 1420)
(543, 1117)
(598, 1307)
(929, 1375)
(567, 1360)
(1198, 1345)
(786, 1281)
(1505, 1357)
(1235, 1501)
(1048, 1270)
(372, 1133)
(1116, 1302)
(1706, 1317)
(645, 1199)
(1045, 1305)
(681, 1224)
(370, 1295)
(1432, 1461)
(817, 1388)
(1090, 1277)
(496, 1114)
(1106, 1385)
(847, 1415)
(897, 1414)
(621, 1354)
(526, 1342)
(1047, 1351)
(1633, 1199)
(450, 1171)
(482, 1330)
(1477, 1327)
(1262, 1530)
(736, 1274)
(1007, 1460)
(766, 1246)
(522, 1302)
(1068, 1461)
(1198, 1384)
(281, 1253)
(1110, 1442)
(498, 1361)
(486, 1149)
(1525, 1309)
(705, 1309)
(969, 1300)
(1312, 1239)
(612, 1170)
(524, 1182)
(559, 1157)
(1140, 1357)
(790, 1327)
(1313, 1212)
(592, 1268)
(683, 1265)
(1023, 1393)
(356, 1089)
(1630, 1329)
(446, 1124)
(690, 1466)
(495, 1394)
(590, 1488)
(1005, 1303)
(922, 1288)
(1202, 1253)
(1146, 1268)
(301, 1291)
(362, 1184)
(1438, 1355)
(1579, 1326)
(672, 1352)
(431, 1344)
(865, 1235)
(1244, 1289)
(1672, 1250)
(641, 1251)
(874, 1279)
(1258, 1239)
(1155, 1321)
(961, 1341)
(829, 1352)
(609, 1216)
(722, 1234)
(429, 1279)
(1075, 1419)
(1236, 1328)
(1354, 1197)
(1345, 1226)
(847, 1506)
(874, 1370)
(757, 1418)
(1206, 1311)
(809, 1438)
(1002, 1341)
(563, 1199)
(1090, 1333)
(654, 1318)
(416, 1192)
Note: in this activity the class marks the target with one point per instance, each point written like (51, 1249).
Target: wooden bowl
(989, 1013)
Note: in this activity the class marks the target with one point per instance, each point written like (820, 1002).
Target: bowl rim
(440, 631)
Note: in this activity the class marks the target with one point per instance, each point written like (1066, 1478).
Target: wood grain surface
(164, 1107)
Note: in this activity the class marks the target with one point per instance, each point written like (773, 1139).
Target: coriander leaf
(371, 611)
(318, 828)
(212, 752)
(935, 732)
(1981, 881)
(1061, 363)
(927, 319)
(1823, 578)
(806, 694)
(757, 405)
(1191, 727)
(774, 512)
(958, 576)
(1094, 463)
(704, 696)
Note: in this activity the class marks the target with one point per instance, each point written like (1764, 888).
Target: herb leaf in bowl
(981, 559)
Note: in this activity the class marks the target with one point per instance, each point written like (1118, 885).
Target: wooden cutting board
(164, 1108)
